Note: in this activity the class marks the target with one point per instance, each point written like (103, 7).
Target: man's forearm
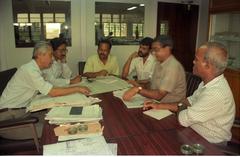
(153, 94)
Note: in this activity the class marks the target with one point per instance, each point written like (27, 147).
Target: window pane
(60, 18)
(37, 20)
(47, 18)
(22, 18)
(106, 17)
(122, 26)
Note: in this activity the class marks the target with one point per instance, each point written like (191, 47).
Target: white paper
(61, 115)
(104, 84)
(136, 102)
(158, 114)
(88, 146)
(43, 102)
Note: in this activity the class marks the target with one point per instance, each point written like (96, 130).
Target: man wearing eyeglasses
(59, 74)
(168, 83)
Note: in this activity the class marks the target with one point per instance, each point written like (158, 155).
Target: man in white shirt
(59, 74)
(27, 83)
(211, 109)
(141, 62)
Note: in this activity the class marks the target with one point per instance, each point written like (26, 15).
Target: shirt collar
(36, 65)
(212, 82)
(168, 60)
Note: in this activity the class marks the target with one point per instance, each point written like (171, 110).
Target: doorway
(180, 22)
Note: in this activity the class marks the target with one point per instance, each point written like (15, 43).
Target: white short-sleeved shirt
(212, 111)
(23, 86)
(58, 74)
(144, 71)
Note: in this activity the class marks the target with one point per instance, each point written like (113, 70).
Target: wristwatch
(179, 105)
(139, 88)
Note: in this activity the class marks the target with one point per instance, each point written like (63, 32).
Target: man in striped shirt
(211, 109)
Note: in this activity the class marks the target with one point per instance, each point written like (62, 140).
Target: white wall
(83, 33)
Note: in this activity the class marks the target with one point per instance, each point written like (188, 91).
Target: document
(41, 102)
(89, 146)
(104, 84)
(136, 102)
(158, 114)
(61, 115)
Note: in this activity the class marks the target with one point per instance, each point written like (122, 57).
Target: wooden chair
(7, 145)
(192, 83)
(81, 66)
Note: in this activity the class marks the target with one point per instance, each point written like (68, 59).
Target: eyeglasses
(77, 128)
(63, 50)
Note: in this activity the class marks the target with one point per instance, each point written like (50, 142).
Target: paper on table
(113, 148)
(89, 146)
(61, 115)
(104, 84)
(158, 114)
(136, 102)
(78, 136)
(43, 102)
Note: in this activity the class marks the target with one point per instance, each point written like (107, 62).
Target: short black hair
(105, 41)
(164, 41)
(56, 42)
(146, 41)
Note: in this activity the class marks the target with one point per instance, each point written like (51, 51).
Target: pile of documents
(67, 114)
(104, 84)
(136, 102)
(41, 102)
(89, 146)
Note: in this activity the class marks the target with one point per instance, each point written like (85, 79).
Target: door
(180, 22)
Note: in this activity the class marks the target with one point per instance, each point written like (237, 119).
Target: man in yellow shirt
(103, 63)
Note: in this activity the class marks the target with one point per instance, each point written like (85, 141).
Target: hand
(103, 73)
(149, 104)
(127, 96)
(133, 82)
(76, 79)
(84, 90)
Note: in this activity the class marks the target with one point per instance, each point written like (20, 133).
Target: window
(40, 20)
(116, 22)
(163, 27)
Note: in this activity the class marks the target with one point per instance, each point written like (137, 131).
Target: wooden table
(138, 134)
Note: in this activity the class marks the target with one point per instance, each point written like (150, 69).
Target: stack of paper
(41, 102)
(158, 114)
(89, 146)
(62, 115)
(104, 84)
(136, 102)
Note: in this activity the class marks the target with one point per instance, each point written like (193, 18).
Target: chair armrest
(18, 122)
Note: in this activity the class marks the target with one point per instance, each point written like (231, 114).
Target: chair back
(5, 76)
(81, 66)
(192, 83)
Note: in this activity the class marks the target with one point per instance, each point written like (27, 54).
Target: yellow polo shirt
(94, 64)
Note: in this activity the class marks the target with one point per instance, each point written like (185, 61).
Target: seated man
(141, 62)
(59, 74)
(26, 84)
(168, 83)
(210, 110)
(102, 63)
